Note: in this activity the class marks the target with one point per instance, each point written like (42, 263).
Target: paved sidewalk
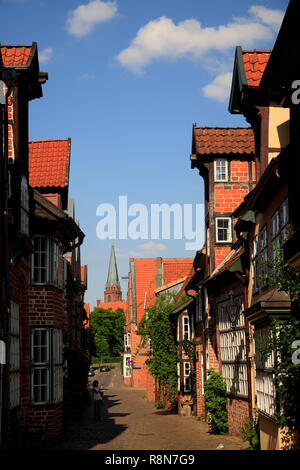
(129, 422)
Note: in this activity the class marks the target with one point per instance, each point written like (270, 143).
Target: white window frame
(186, 333)
(254, 264)
(46, 259)
(127, 366)
(187, 381)
(233, 350)
(150, 348)
(263, 246)
(221, 170)
(46, 365)
(229, 229)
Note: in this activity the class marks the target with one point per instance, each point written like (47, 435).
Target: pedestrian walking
(98, 400)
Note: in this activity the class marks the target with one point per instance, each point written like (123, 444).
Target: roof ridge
(219, 127)
(49, 140)
(247, 51)
(16, 45)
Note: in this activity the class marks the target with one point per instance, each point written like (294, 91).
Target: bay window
(46, 365)
(46, 261)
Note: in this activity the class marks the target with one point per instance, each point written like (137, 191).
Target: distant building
(112, 294)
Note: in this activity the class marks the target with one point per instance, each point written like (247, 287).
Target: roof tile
(15, 56)
(255, 63)
(223, 140)
(49, 162)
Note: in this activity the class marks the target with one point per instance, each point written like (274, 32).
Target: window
(233, 351)
(46, 262)
(199, 306)
(254, 264)
(185, 328)
(279, 229)
(178, 376)
(46, 365)
(127, 366)
(264, 377)
(221, 170)
(187, 377)
(223, 230)
(24, 223)
(263, 237)
(150, 349)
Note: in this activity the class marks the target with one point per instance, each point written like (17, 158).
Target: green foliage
(215, 402)
(190, 349)
(279, 345)
(283, 276)
(159, 404)
(108, 330)
(162, 360)
(250, 432)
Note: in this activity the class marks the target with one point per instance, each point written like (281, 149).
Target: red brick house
(225, 158)
(21, 82)
(35, 233)
(145, 277)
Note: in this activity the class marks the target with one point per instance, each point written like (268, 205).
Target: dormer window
(221, 169)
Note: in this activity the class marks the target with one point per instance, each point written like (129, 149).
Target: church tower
(113, 291)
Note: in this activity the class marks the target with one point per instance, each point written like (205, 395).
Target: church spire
(112, 288)
(112, 277)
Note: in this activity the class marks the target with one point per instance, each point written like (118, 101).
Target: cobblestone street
(129, 422)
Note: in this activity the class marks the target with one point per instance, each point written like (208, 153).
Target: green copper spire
(112, 277)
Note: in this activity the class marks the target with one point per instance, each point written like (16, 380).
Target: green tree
(162, 360)
(215, 394)
(108, 330)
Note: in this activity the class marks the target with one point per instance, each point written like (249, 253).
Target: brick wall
(228, 197)
(46, 306)
(238, 412)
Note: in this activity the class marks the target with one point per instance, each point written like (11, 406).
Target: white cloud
(162, 39)
(273, 18)
(87, 76)
(219, 88)
(45, 55)
(146, 250)
(84, 18)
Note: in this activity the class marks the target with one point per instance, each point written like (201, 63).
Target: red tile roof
(223, 140)
(15, 56)
(255, 63)
(49, 162)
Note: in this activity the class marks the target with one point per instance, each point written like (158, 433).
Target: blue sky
(127, 80)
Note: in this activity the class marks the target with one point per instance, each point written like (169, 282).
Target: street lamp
(233, 310)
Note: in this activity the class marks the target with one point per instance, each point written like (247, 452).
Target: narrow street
(129, 422)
